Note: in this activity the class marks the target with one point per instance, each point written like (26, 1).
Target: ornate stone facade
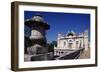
(71, 41)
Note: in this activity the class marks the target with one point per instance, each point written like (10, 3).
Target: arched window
(70, 45)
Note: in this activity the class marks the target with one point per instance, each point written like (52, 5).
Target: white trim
(23, 64)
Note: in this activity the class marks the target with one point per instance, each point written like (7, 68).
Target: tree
(51, 46)
(54, 43)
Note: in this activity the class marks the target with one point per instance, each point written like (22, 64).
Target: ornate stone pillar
(38, 49)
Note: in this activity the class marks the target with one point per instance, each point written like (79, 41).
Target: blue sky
(62, 22)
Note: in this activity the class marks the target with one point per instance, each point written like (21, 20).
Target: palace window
(64, 43)
(76, 42)
(56, 51)
(70, 41)
(70, 45)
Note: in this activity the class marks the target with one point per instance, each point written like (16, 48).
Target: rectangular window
(76, 42)
(64, 43)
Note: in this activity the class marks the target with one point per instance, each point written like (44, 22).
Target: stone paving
(85, 54)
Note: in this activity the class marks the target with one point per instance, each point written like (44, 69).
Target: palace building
(71, 41)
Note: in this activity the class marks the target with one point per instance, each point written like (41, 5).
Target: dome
(71, 33)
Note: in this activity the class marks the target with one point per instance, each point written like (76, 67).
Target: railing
(71, 55)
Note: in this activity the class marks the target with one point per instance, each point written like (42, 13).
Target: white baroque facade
(71, 41)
